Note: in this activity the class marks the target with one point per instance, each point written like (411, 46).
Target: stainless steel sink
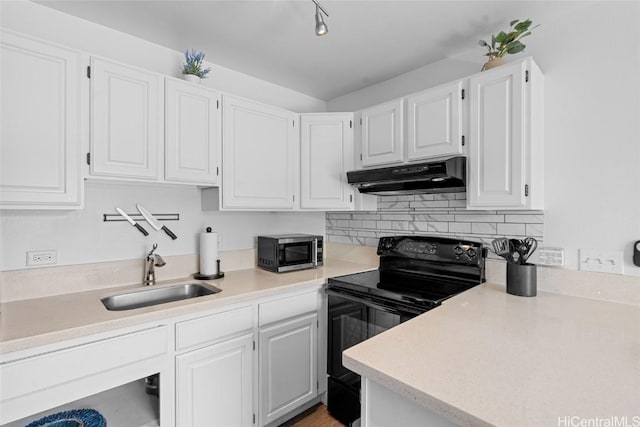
(156, 296)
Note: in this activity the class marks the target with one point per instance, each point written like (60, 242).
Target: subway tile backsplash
(442, 214)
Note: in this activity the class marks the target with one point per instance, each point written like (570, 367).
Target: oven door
(297, 255)
(352, 319)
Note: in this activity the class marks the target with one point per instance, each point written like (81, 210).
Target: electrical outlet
(601, 261)
(551, 257)
(47, 257)
(219, 242)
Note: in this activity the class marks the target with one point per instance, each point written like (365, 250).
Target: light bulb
(321, 27)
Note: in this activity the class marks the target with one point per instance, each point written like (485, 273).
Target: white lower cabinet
(42, 379)
(288, 366)
(254, 364)
(214, 385)
(382, 407)
(214, 376)
(225, 376)
(288, 354)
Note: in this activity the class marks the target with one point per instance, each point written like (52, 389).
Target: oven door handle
(372, 304)
(315, 252)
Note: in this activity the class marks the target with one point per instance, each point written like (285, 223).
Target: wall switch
(551, 257)
(47, 257)
(601, 261)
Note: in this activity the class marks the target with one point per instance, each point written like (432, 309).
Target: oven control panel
(432, 248)
(418, 247)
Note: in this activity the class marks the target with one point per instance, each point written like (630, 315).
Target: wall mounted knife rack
(138, 217)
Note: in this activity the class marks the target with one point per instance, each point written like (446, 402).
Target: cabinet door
(435, 122)
(126, 122)
(40, 105)
(326, 154)
(260, 151)
(497, 151)
(214, 385)
(192, 133)
(382, 136)
(288, 366)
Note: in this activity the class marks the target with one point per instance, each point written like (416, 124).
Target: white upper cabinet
(506, 138)
(260, 156)
(326, 154)
(126, 121)
(40, 165)
(192, 133)
(382, 134)
(434, 122)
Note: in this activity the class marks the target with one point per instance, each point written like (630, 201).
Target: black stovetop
(419, 271)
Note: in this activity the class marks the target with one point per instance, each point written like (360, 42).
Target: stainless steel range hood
(444, 176)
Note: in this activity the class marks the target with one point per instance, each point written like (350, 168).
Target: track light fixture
(321, 27)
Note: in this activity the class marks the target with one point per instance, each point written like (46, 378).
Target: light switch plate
(601, 261)
(45, 257)
(551, 257)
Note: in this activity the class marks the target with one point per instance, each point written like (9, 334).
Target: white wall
(82, 236)
(591, 62)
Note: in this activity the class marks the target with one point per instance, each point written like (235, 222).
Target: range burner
(416, 274)
(423, 269)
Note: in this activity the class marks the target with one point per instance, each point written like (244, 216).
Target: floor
(316, 416)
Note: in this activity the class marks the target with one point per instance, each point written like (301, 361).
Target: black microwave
(288, 252)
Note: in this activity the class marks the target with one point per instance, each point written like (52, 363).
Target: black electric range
(415, 274)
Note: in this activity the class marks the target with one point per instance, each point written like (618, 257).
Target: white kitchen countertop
(487, 357)
(34, 322)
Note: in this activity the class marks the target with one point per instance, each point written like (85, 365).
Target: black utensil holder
(522, 279)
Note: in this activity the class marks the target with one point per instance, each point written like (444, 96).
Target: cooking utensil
(530, 244)
(517, 250)
(132, 221)
(154, 222)
(502, 248)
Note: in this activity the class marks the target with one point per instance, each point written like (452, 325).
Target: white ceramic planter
(192, 78)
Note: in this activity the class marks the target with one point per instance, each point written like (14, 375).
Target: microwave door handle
(315, 252)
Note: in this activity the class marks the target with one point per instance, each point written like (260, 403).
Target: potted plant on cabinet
(193, 68)
(507, 42)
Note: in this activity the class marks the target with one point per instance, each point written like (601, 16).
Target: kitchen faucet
(151, 261)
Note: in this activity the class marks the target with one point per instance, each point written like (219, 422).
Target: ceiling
(368, 41)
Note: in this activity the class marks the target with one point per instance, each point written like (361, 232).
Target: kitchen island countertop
(489, 358)
(35, 322)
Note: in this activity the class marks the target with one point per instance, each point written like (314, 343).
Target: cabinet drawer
(208, 329)
(284, 308)
(48, 370)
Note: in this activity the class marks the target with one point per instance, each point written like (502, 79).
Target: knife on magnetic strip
(132, 221)
(154, 222)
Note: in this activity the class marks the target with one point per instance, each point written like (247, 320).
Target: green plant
(193, 64)
(508, 42)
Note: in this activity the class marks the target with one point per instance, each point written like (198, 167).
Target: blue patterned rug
(75, 418)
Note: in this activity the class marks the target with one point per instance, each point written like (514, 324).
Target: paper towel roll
(208, 253)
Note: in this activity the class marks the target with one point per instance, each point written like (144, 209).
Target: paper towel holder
(220, 274)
